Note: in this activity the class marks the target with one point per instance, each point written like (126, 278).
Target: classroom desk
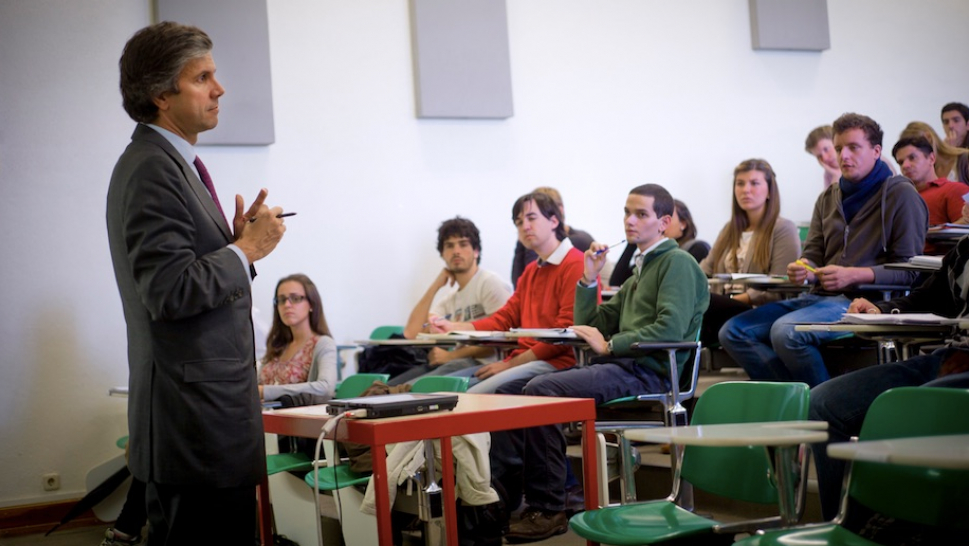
(784, 437)
(951, 452)
(903, 334)
(499, 343)
(474, 413)
(767, 283)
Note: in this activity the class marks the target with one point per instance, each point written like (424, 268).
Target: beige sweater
(785, 247)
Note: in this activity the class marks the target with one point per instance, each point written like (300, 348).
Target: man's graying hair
(151, 62)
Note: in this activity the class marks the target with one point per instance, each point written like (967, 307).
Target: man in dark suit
(193, 414)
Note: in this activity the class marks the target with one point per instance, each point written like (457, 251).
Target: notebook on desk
(394, 405)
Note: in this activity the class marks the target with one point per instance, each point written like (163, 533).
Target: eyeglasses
(295, 299)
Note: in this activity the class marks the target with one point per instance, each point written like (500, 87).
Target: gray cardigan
(321, 382)
(785, 247)
(889, 228)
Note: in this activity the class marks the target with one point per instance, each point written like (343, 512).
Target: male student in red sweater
(544, 298)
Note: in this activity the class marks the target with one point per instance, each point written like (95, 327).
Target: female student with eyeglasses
(300, 355)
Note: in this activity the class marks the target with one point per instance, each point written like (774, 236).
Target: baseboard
(39, 518)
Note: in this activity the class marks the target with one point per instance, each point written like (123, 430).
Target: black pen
(283, 215)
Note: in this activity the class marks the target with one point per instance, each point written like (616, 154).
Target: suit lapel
(143, 132)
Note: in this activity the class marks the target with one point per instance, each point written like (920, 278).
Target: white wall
(608, 95)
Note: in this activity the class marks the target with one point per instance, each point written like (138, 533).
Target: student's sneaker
(112, 537)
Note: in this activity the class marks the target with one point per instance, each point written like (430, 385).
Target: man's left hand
(837, 278)
(593, 337)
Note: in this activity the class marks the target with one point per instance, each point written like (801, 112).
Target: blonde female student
(755, 240)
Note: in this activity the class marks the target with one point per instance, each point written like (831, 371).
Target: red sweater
(544, 298)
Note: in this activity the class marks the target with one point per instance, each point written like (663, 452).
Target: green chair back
(440, 383)
(355, 384)
(384, 332)
(934, 497)
(741, 472)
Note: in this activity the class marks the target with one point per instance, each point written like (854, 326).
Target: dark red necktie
(207, 180)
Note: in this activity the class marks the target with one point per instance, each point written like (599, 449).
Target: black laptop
(394, 405)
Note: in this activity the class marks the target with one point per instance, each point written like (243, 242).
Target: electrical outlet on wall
(51, 481)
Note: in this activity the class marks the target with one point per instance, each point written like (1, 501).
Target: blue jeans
(532, 461)
(764, 342)
(844, 401)
(424, 370)
(490, 385)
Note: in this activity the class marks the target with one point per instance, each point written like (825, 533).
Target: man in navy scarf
(868, 219)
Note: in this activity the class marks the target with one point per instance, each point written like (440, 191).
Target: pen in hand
(445, 317)
(600, 251)
(283, 215)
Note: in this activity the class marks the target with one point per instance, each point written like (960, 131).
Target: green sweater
(665, 302)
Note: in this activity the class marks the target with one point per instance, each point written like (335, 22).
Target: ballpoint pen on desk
(600, 251)
(283, 215)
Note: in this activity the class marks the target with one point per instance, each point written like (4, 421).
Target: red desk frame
(474, 413)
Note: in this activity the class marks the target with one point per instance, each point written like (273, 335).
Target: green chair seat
(440, 383)
(624, 525)
(332, 478)
(285, 462)
(355, 384)
(823, 535)
(742, 473)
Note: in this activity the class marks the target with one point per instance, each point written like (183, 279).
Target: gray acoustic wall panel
(790, 24)
(462, 67)
(240, 33)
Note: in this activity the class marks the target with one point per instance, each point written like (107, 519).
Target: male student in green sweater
(664, 300)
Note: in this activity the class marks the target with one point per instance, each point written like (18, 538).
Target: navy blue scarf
(855, 194)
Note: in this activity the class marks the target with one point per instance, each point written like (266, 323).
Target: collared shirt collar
(654, 245)
(558, 254)
(182, 146)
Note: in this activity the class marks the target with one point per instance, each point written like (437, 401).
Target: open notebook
(929, 319)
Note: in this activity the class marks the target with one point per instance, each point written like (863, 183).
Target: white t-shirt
(482, 296)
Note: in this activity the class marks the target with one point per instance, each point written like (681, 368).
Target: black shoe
(537, 525)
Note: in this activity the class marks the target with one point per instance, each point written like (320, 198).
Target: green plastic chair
(352, 386)
(734, 472)
(356, 384)
(384, 332)
(682, 388)
(440, 383)
(927, 496)
(378, 333)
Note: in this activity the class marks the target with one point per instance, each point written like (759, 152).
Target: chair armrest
(660, 345)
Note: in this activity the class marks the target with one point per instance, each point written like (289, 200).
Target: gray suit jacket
(193, 411)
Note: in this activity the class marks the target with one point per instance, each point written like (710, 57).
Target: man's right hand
(952, 138)
(444, 278)
(438, 356)
(861, 305)
(797, 273)
(595, 259)
(258, 231)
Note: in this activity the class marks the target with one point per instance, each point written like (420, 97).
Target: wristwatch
(609, 347)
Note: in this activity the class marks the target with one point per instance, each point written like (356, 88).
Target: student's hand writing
(593, 337)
